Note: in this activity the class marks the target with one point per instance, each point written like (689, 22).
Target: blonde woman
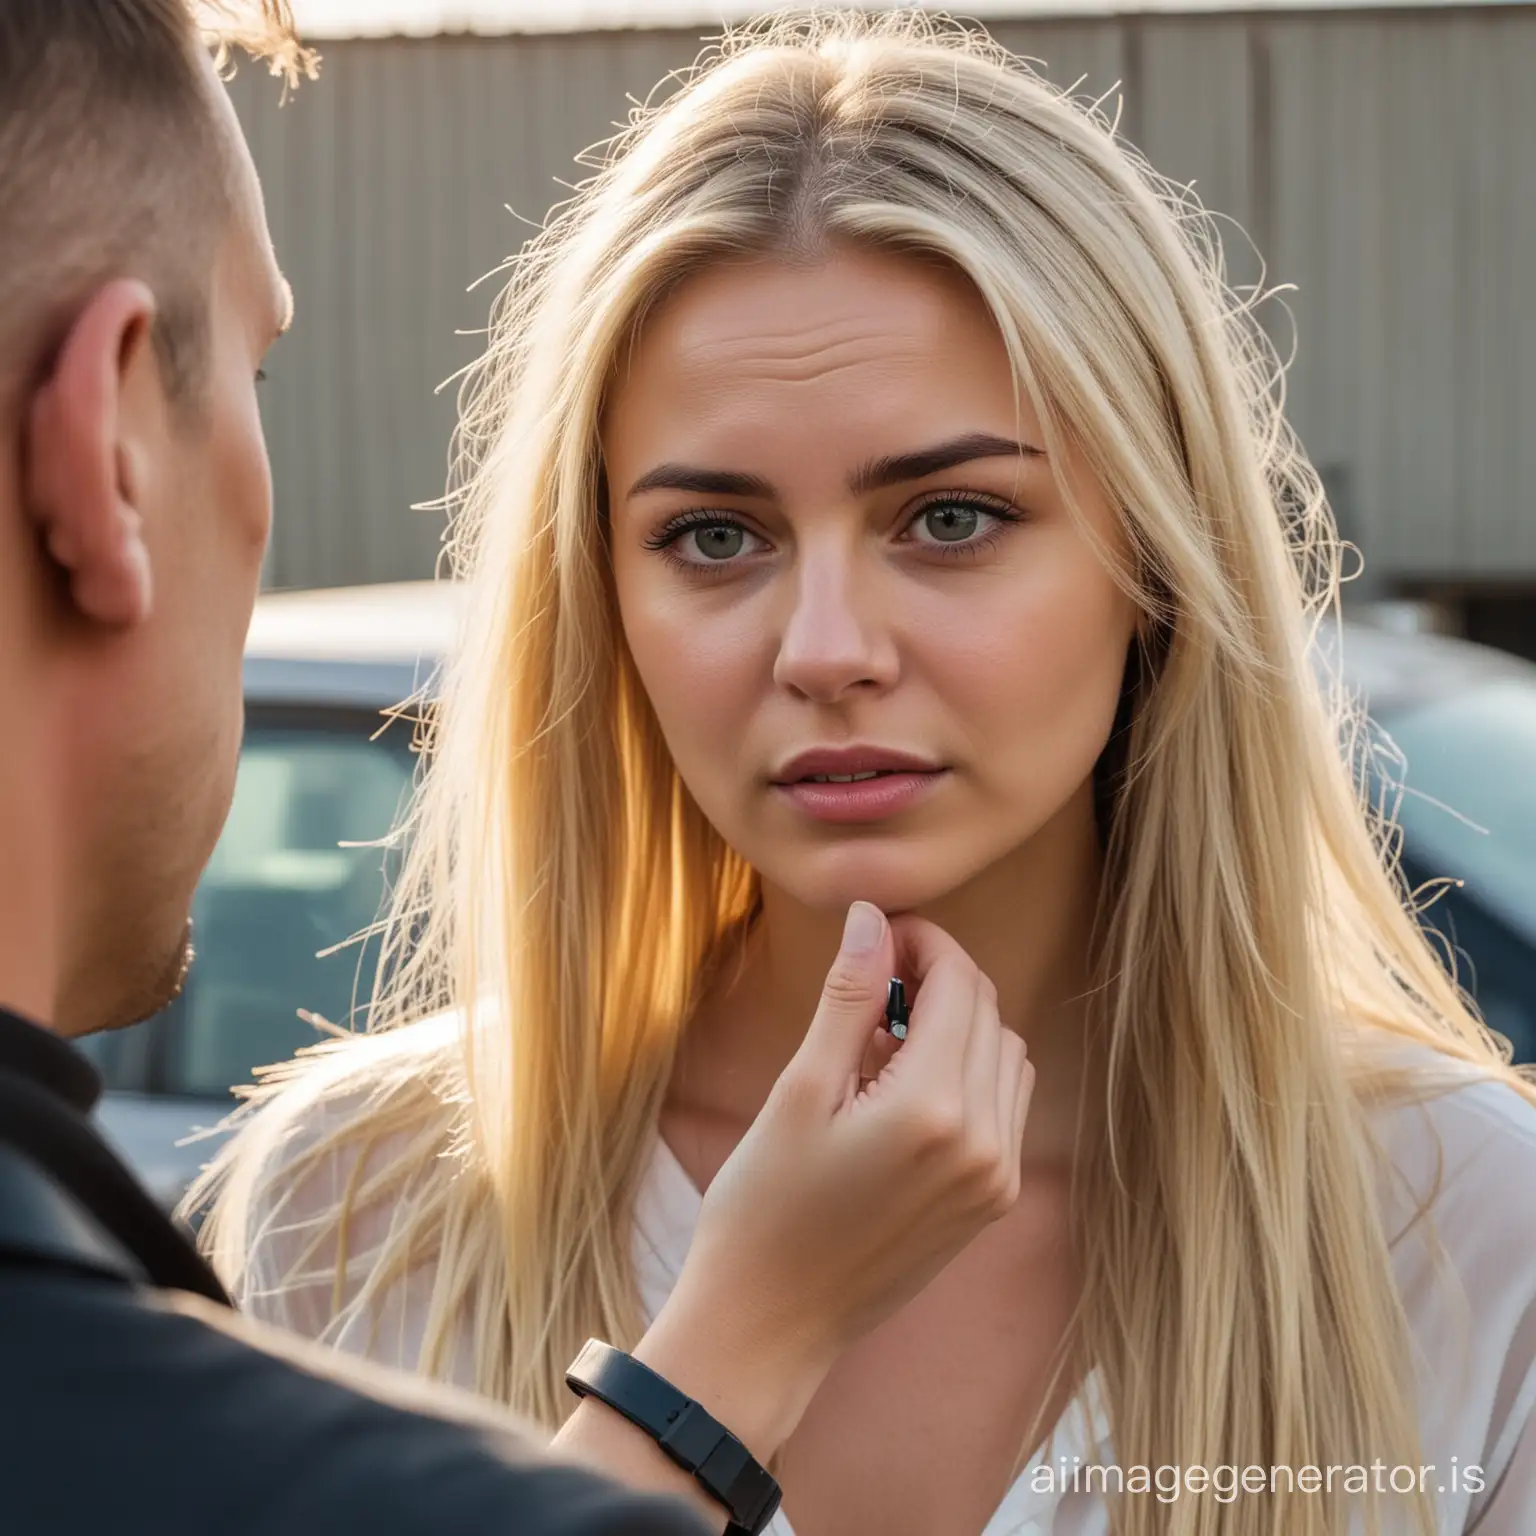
(875, 410)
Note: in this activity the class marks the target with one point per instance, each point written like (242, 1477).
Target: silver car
(295, 875)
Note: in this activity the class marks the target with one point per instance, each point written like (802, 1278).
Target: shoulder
(327, 1087)
(1459, 1162)
(334, 1146)
(1458, 1177)
(347, 1099)
(1462, 1143)
(270, 1433)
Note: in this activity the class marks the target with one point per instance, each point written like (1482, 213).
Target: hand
(847, 1196)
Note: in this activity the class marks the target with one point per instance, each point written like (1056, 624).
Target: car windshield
(287, 882)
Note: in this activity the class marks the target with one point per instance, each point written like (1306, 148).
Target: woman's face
(835, 531)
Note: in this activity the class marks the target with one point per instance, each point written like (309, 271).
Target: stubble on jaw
(159, 988)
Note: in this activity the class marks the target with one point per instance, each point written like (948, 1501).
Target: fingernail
(864, 928)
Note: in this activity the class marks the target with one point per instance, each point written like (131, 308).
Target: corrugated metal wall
(1381, 161)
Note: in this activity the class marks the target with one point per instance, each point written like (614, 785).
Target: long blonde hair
(564, 894)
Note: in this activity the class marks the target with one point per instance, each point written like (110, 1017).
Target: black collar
(47, 1090)
(49, 1061)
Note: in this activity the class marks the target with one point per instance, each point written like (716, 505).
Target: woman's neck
(1026, 920)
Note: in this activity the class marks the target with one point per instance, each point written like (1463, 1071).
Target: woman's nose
(836, 636)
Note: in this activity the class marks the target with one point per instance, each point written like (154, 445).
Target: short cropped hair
(114, 163)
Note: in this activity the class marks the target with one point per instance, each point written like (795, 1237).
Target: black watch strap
(698, 1443)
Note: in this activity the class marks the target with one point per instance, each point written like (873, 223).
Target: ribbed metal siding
(388, 184)
(1381, 161)
(1405, 211)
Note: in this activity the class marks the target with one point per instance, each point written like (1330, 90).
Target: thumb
(853, 997)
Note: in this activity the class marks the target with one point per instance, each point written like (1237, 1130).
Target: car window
(287, 882)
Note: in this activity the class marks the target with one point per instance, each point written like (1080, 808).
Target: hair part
(114, 161)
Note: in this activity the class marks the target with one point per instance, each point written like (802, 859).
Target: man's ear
(82, 480)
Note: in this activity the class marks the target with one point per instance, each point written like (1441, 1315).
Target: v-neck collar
(666, 1215)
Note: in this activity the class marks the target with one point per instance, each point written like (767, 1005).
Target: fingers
(959, 1060)
(982, 1061)
(1023, 1091)
(943, 1006)
(1015, 1081)
(943, 1020)
(919, 946)
(852, 998)
(878, 1054)
(994, 1076)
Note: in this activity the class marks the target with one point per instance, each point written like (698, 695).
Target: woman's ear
(83, 479)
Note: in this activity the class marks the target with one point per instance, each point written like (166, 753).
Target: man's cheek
(256, 502)
(243, 475)
(263, 494)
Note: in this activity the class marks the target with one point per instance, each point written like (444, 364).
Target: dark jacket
(122, 1414)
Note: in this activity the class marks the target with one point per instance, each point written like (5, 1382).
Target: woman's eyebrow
(890, 469)
(705, 482)
(894, 469)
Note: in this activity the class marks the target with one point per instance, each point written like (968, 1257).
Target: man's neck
(31, 953)
(30, 958)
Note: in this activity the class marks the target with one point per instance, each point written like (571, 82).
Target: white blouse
(1473, 1321)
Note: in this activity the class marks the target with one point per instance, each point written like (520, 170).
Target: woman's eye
(954, 522)
(702, 542)
(717, 541)
(950, 522)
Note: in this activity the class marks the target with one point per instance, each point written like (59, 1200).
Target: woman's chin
(893, 890)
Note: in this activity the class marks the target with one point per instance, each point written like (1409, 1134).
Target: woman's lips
(862, 800)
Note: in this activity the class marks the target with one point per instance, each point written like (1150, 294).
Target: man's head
(140, 295)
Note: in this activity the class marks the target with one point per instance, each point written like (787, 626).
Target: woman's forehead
(747, 348)
(782, 309)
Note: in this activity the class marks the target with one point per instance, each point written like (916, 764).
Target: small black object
(896, 1009)
(698, 1443)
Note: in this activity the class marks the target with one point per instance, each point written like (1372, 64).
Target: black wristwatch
(693, 1439)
